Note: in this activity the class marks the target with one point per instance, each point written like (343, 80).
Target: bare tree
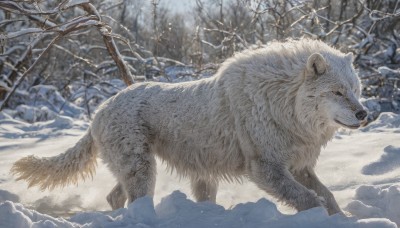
(107, 39)
(45, 27)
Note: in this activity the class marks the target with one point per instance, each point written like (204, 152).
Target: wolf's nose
(360, 115)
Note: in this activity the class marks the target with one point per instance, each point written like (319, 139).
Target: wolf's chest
(302, 156)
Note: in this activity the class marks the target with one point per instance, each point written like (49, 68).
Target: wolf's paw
(323, 201)
(310, 200)
(330, 206)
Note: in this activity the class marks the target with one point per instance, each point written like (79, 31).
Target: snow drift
(376, 202)
(176, 210)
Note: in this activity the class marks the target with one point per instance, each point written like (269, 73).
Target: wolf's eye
(337, 93)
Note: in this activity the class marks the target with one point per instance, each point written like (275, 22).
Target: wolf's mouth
(348, 126)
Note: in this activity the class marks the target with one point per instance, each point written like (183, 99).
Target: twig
(18, 83)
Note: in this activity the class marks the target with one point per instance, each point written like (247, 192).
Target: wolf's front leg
(308, 178)
(276, 180)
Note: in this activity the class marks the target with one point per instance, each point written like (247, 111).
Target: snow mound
(13, 128)
(176, 210)
(389, 161)
(384, 121)
(376, 202)
(32, 114)
(8, 196)
(45, 102)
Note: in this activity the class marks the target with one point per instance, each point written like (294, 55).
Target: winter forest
(59, 60)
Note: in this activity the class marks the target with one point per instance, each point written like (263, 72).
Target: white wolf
(265, 115)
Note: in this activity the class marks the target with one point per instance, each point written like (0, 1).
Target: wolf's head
(331, 89)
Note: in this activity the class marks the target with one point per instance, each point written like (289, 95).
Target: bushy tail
(60, 170)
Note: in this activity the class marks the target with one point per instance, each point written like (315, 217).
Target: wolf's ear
(316, 63)
(349, 56)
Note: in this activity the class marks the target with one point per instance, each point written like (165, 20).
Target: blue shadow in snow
(389, 161)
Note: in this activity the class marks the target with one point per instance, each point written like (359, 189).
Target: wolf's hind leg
(138, 176)
(116, 198)
(204, 190)
(308, 178)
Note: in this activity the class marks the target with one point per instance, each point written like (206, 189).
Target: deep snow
(360, 167)
(176, 210)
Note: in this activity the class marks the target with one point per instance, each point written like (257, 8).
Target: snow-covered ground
(362, 168)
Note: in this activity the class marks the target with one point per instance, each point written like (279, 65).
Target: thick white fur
(265, 115)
